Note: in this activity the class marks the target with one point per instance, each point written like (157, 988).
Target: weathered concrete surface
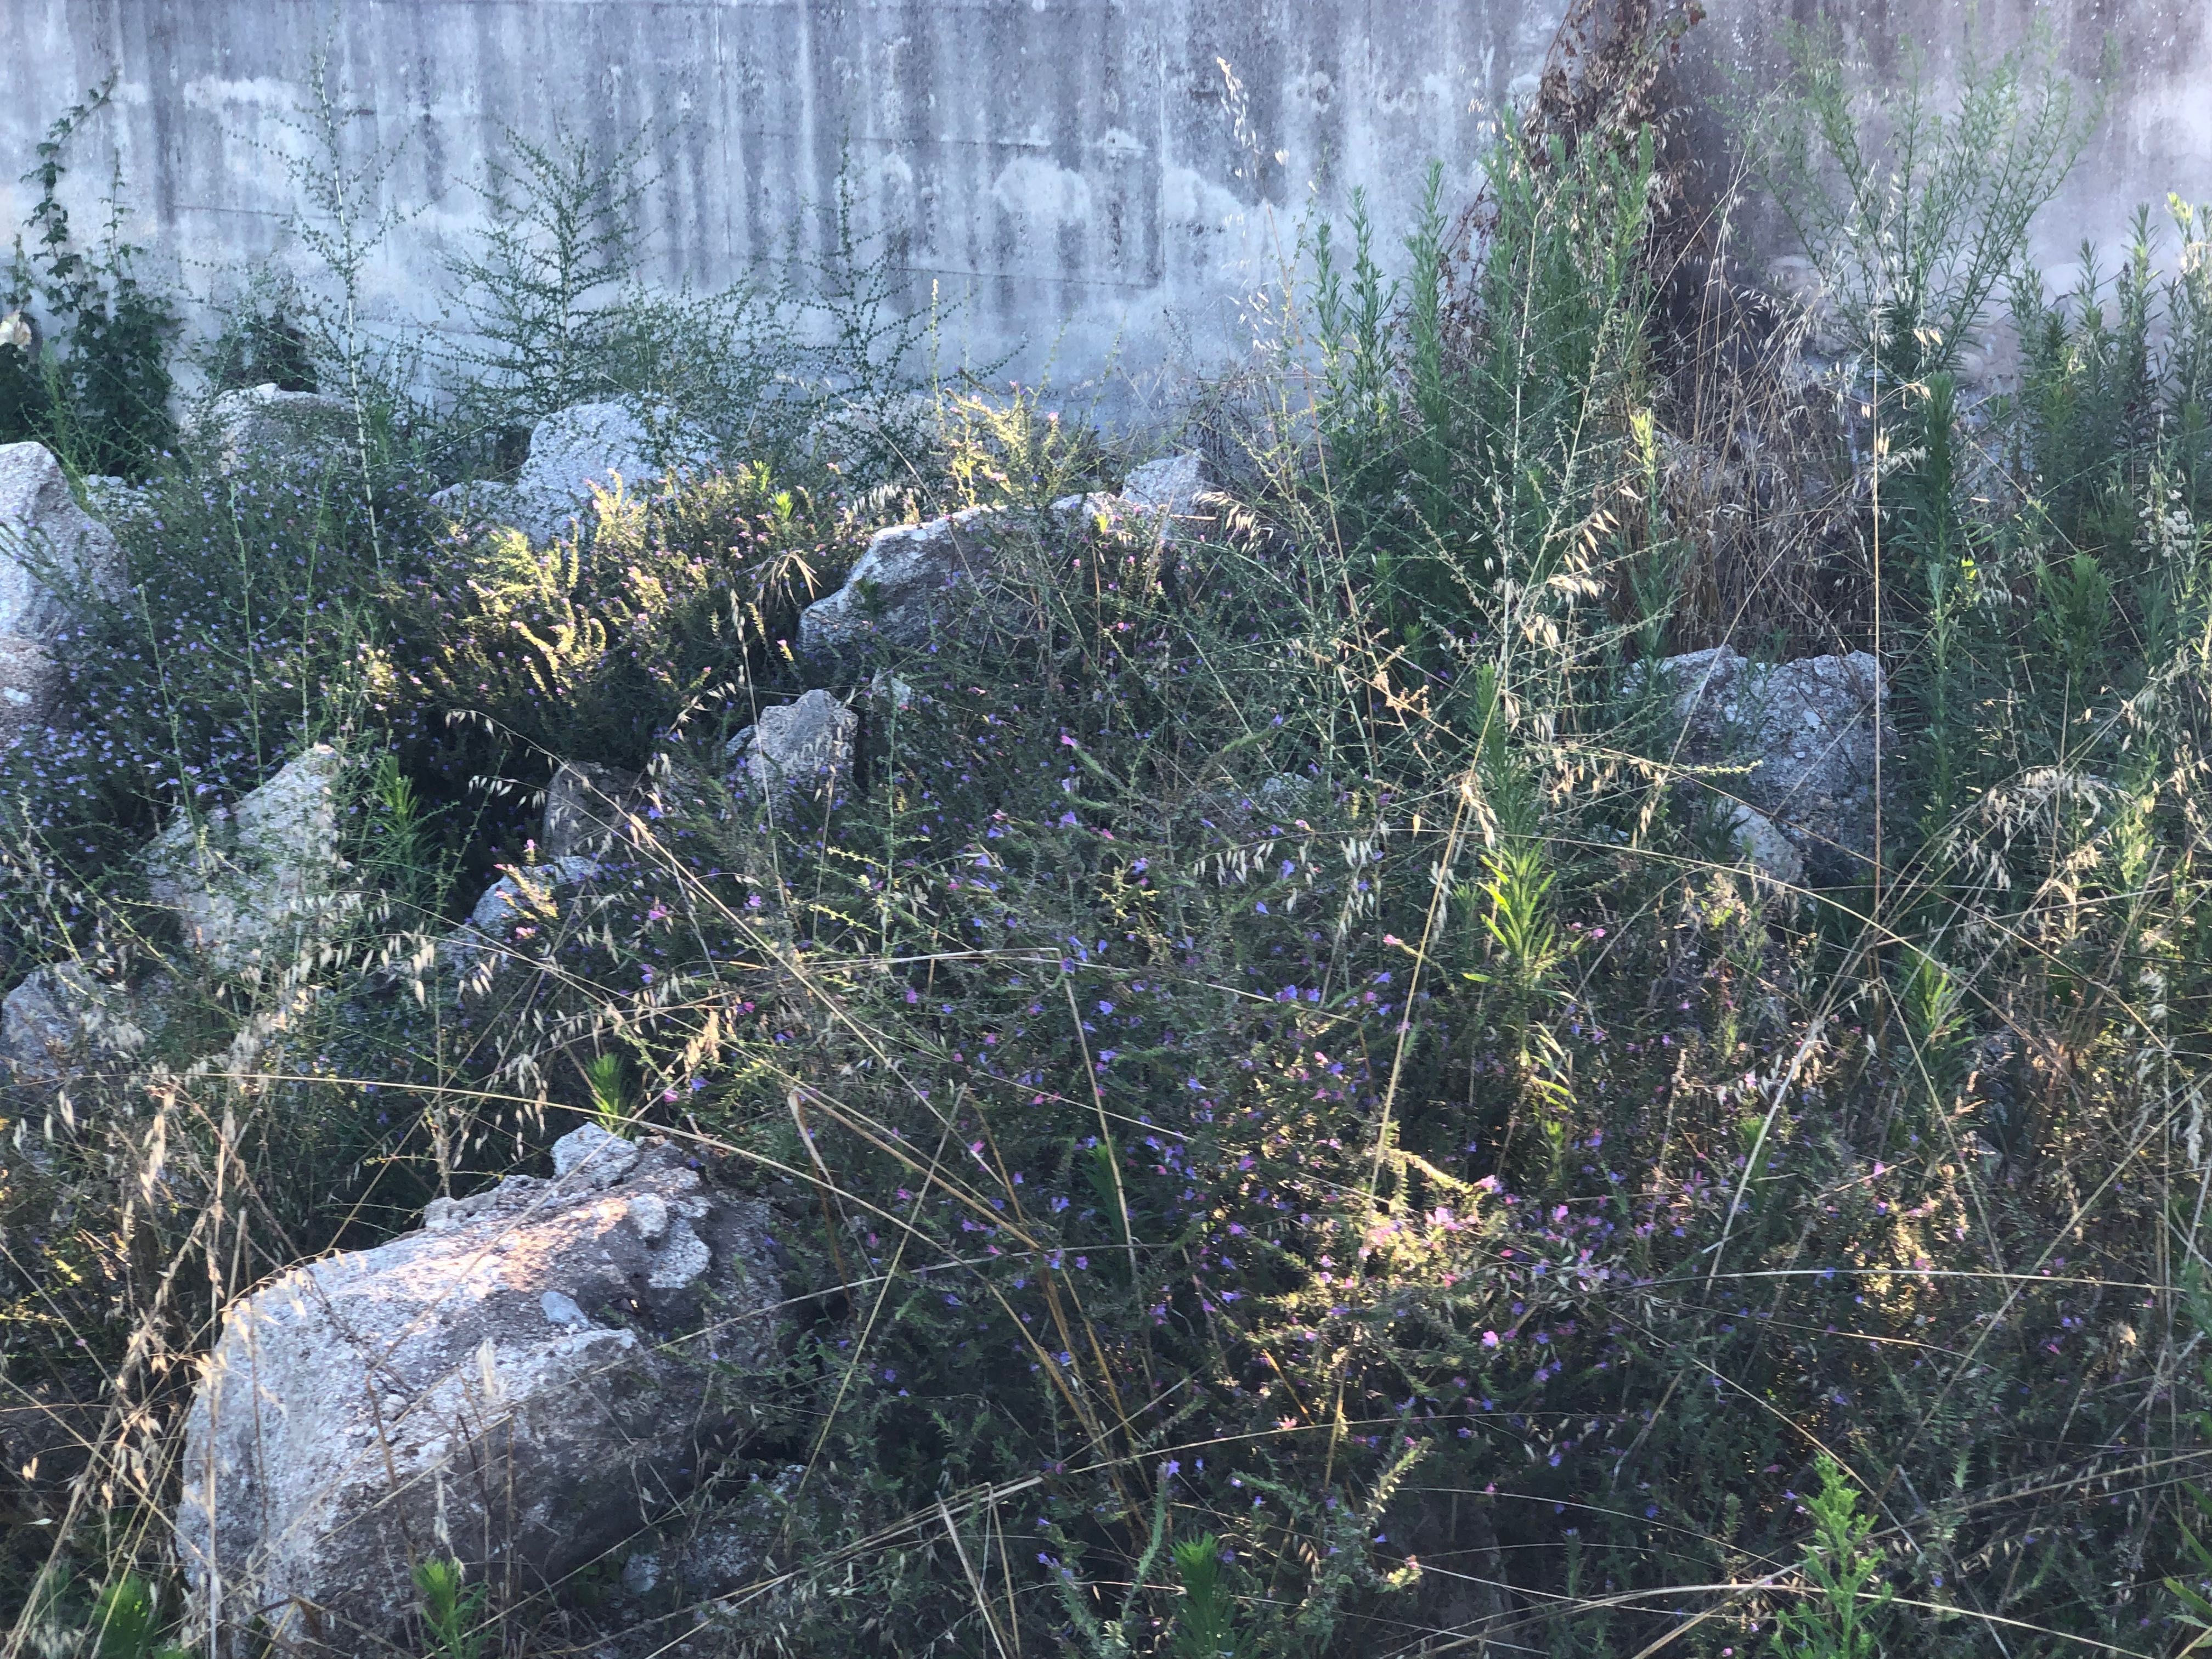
(1081, 175)
(1077, 173)
(2155, 136)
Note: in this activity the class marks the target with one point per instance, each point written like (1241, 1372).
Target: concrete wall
(1077, 179)
(2149, 63)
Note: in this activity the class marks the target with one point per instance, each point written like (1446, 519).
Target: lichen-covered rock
(265, 425)
(573, 452)
(1161, 497)
(1761, 844)
(114, 500)
(487, 502)
(523, 1384)
(50, 547)
(912, 581)
(574, 449)
(249, 882)
(63, 1020)
(797, 742)
(918, 580)
(1804, 729)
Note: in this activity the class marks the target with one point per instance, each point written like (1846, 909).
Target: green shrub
(591, 649)
(84, 360)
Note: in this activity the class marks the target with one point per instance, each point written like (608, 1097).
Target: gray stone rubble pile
(526, 1383)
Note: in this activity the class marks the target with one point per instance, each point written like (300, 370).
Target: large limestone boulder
(916, 581)
(574, 449)
(63, 1020)
(1807, 731)
(49, 548)
(912, 581)
(523, 1385)
(266, 426)
(248, 882)
(51, 551)
(572, 452)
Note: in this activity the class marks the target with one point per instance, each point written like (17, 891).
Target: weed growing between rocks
(1298, 1116)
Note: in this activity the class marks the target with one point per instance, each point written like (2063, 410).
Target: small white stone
(605, 1158)
(649, 1210)
(561, 1308)
(682, 1260)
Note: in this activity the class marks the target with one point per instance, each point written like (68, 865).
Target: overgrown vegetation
(84, 346)
(1292, 1134)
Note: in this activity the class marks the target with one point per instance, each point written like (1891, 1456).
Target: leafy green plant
(559, 252)
(1841, 1615)
(1205, 1623)
(1915, 215)
(453, 1615)
(126, 1622)
(1014, 451)
(592, 647)
(607, 1078)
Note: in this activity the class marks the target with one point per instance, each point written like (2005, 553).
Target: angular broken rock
(115, 500)
(526, 896)
(525, 1384)
(1761, 844)
(572, 452)
(797, 742)
(590, 444)
(62, 1021)
(249, 882)
(1807, 730)
(918, 580)
(51, 548)
(914, 581)
(1171, 485)
(1161, 497)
